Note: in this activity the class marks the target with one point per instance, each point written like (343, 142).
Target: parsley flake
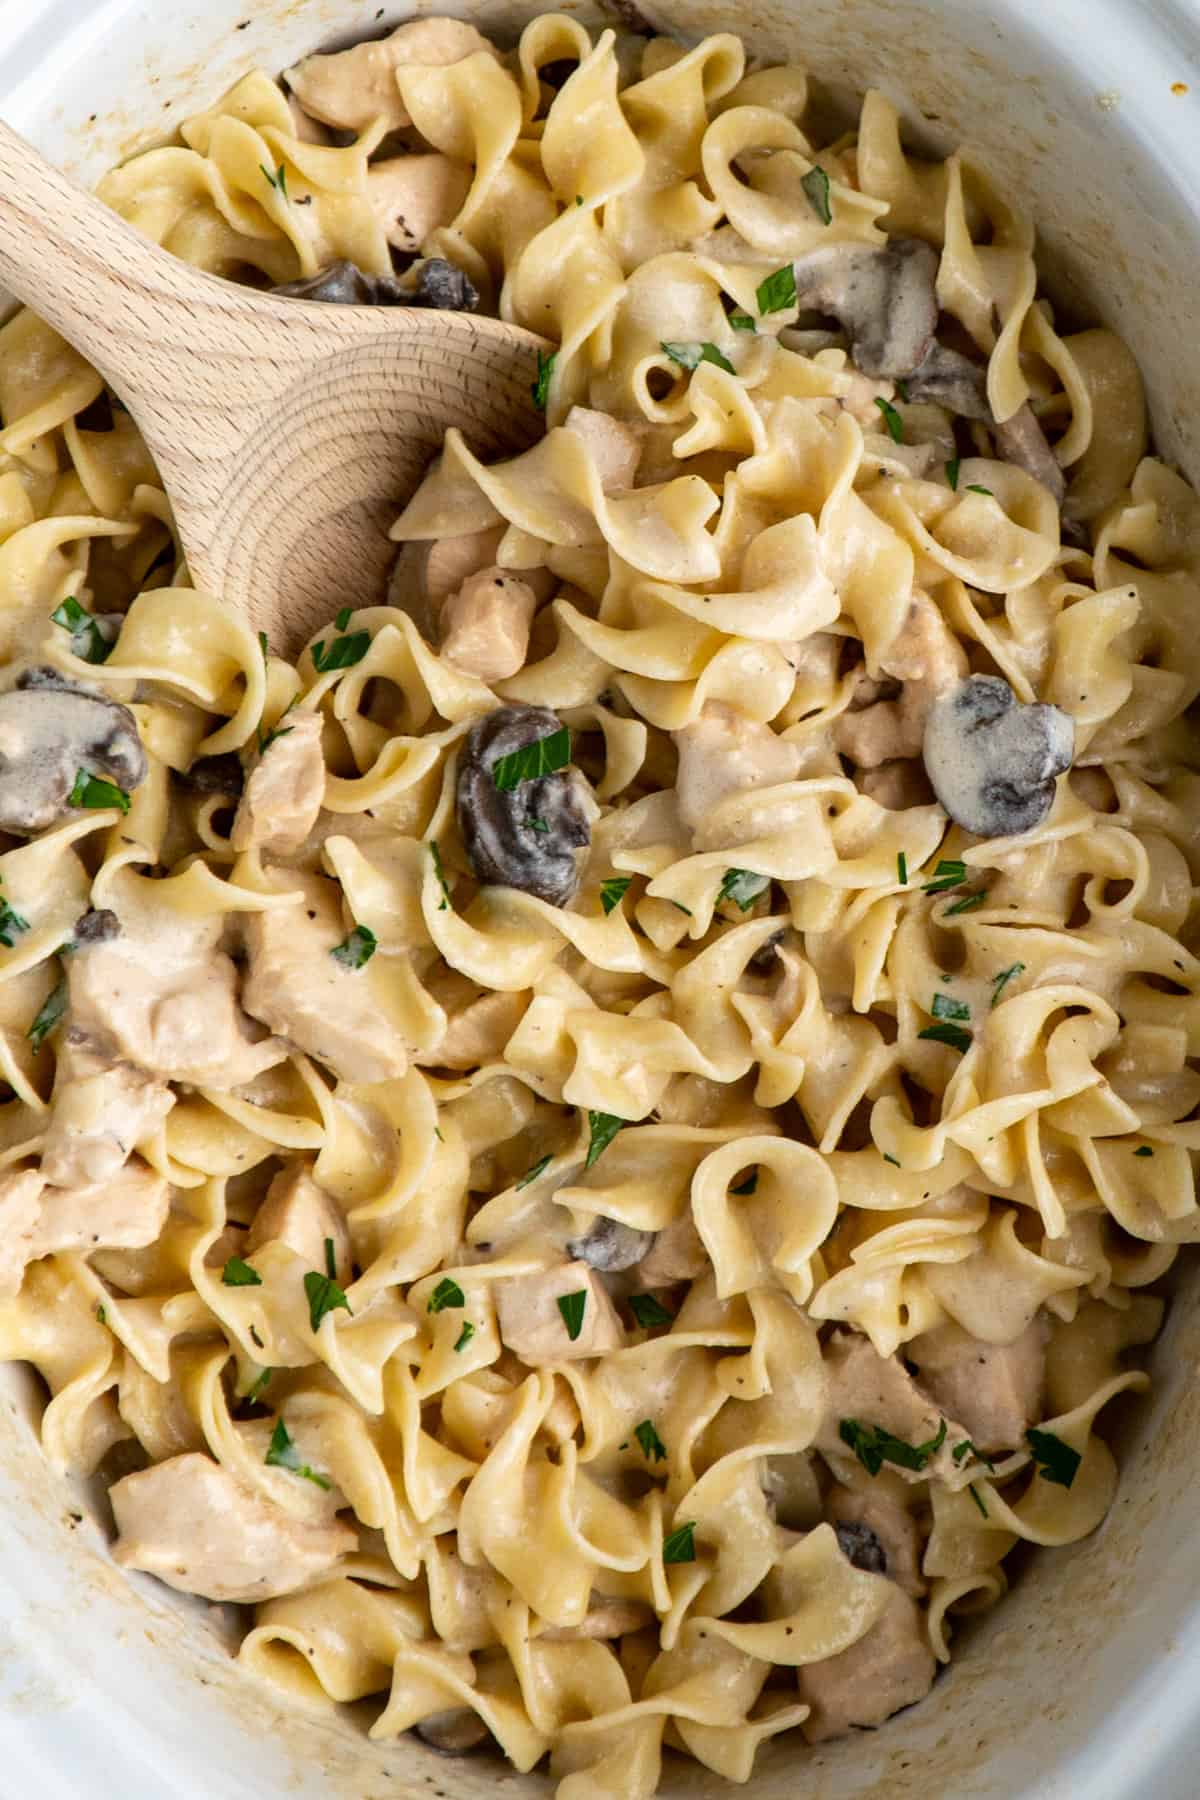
(902, 868)
(892, 419)
(1143, 1150)
(465, 1335)
(743, 887)
(968, 903)
(816, 188)
(264, 646)
(88, 641)
(1001, 981)
(953, 1035)
(539, 1168)
(778, 291)
(341, 652)
(947, 875)
(649, 1312)
(278, 180)
(952, 468)
(540, 389)
(965, 1448)
(258, 1385)
(324, 1296)
(542, 757)
(51, 1011)
(943, 1007)
(440, 872)
(238, 1273)
(977, 1497)
(282, 1454)
(344, 617)
(538, 825)
(741, 321)
(680, 1547)
(973, 487)
(894, 1160)
(602, 1129)
(1056, 1461)
(357, 948)
(874, 1446)
(446, 1293)
(90, 791)
(652, 1446)
(690, 356)
(101, 1315)
(572, 1308)
(10, 921)
(613, 891)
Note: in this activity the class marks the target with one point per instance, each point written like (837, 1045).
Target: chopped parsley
(539, 1168)
(540, 389)
(282, 1454)
(902, 868)
(680, 907)
(816, 188)
(572, 1308)
(1001, 981)
(278, 180)
(542, 757)
(324, 1296)
(690, 356)
(743, 887)
(440, 872)
(947, 875)
(90, 791)
(973, 487)
(778, 291)
(892, 419)
(258, 1385)
(465, 1335)
(652, 1446)
(894, 1160)
(953, 1035)
(944, 1007)
(355, 949)
(649, 1312)
(1056, 1461)
(278, 730)
(344, 617)
(538, 825)
(88, 641)
(874, 1446)
(10, 921)
(602, 1129)
(101, 1315)
(741, 321)
(613, 891)
(51, 1011)
(680, 1547)
(340, 652)
(237, 1273)
(1143, 1150)
(977, 1497)
(965, 1448)
(446, 1293)
(952, 468)
(264, 646)
(968, 903)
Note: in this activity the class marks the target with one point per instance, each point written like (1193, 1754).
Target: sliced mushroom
(223, 775)
(947, 378)
(351, 88)
(95, 927)
(50, 729)
(528, 836)
(883, 296)
(437, 284)
(1022, 442)
(611, 1245)
(453, 1732)
(993, 762)
(859, 1545)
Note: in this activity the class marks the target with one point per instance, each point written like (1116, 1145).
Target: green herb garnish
(874, 1446)
(1143, 1150)
(652, 1446)
(968, 903)
(690, 356)
(965, 1448)
(539, 1168)
(440, 872)
(680, 1547)
(446, 1293)
(324, 1296)
(649, 1312)
(465, 1335)
(282, 1454)
(977, 1497)
(51, 1011)
(952, 468)
(947, 875)
(894, 1160)
(344, 618)
(613, 891)
(1056, 1461)
(778, 291)
(101, 1315)
(259, 1385)
(237, 1273)
(278, 180)
(892, 419)
(602, 1129)
(743, 887)
(341, 653)
(545, 370)
(954, 1035)
(741, 321)
(572, 1308)
(90, 791)
(1001, 981)
(531, 761)
(944, 1007)
(264, 646)
(816, 188)
(902, 868)
(355, 949)
(973, 487)
(93, 646)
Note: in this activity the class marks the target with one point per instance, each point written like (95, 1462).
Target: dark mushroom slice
(454, 1732)
(950, 379)
(99, 926)
(1022, 442)
(438, 284)
(883, 296)
(528, 836)
(611, 1246)
(992, 761)
(859, 1545)
(50, 729)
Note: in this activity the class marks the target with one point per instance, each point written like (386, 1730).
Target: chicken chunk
(927, 659)
(285, 784)
(485, 626)
(604, 1619)
(677, 1254)
(161, 994)
(616, 448)
(723, 753)
(890, 1668)
(878, 1390)
(897, 785)
(101, 1109)
(478, 1033)
(892, 1526)
(412, 196)
(300, 1213)
(20, 1210)
(996, 1390)
(124, 1212)
(352, 88)
(427, 573)
(191, 1523)
(533, 1325)
(295, 985)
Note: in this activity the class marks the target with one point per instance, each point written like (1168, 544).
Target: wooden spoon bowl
(288, 433)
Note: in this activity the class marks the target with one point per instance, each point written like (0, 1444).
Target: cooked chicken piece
(352, 88)
(300, 989)
(101, 1109)
(20, 1210)
(603, 1619)
(892, 1527)
(162, 995)
(889, 1668)
(412, 196)
(426, 574)
(927, 659)
(723, 753)
(189, 1522)
(877, 1390)
(616, 448)
(897, 785)
(300, 1213)
(478, 1033)
(677, 1254)
(123, 1212)
(995, 1390)
(534, 1327)
(285, 784)
(485, 626)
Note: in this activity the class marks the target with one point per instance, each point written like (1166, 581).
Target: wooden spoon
(288, 433)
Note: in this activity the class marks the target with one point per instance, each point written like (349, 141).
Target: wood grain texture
(288, 433)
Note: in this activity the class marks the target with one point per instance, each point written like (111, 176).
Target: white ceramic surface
(1086, 1682)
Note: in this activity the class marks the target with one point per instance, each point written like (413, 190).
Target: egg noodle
(677, 1296)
